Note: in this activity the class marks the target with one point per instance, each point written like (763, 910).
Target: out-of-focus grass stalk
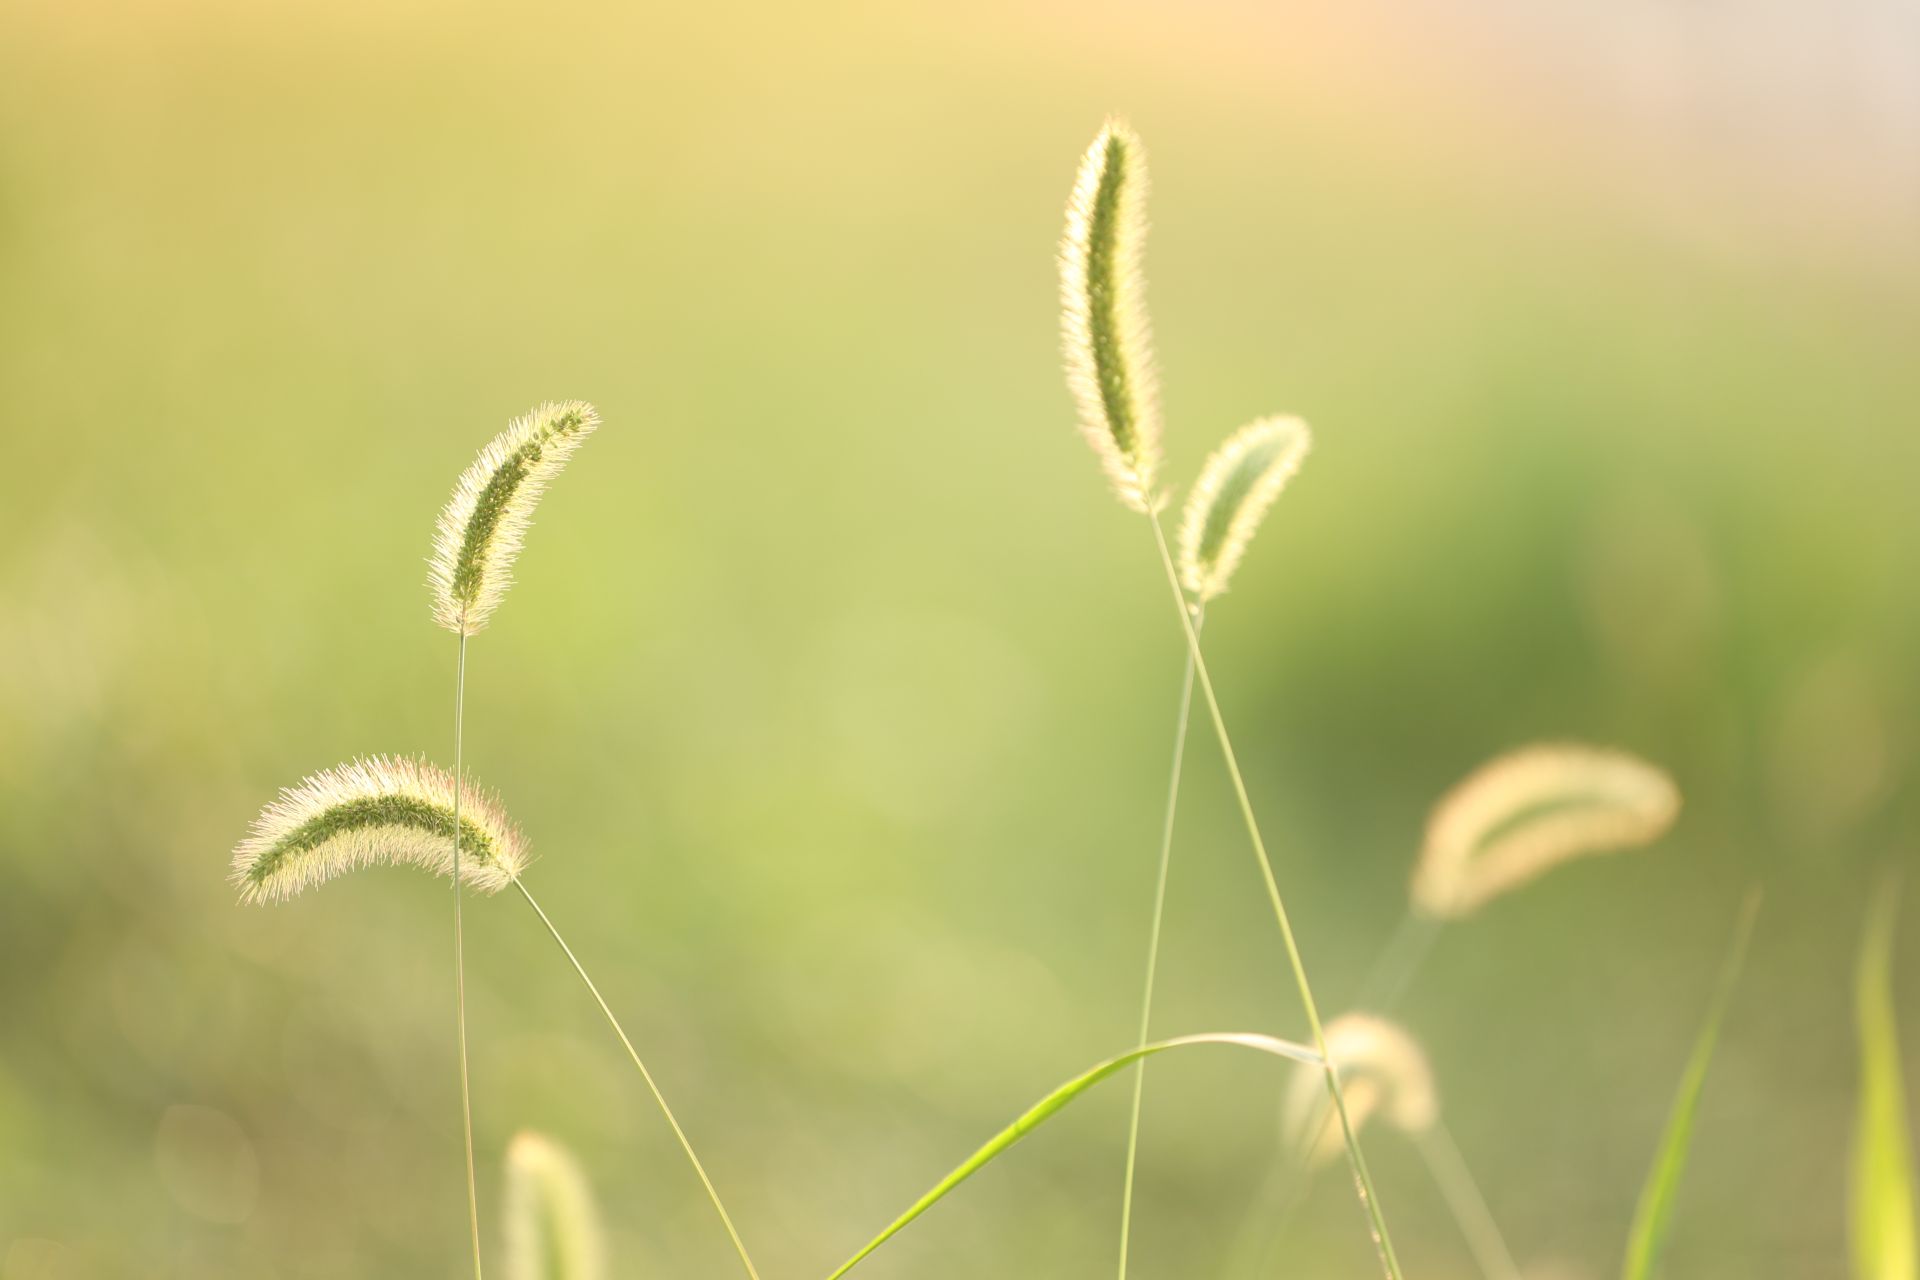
(1466, 1202)
(1363, 1180)
(1153, 945)
(1654, 1213)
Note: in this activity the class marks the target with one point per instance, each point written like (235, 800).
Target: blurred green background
(836, 693)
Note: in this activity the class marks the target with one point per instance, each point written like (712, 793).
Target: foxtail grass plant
(476, 540)
(1109, 364)
(386, 810)
(1236, 487)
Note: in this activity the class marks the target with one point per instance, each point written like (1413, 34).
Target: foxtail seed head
(1236, 486)
(1527, 811)
(552, 1225)
(378, 809)
(1104, 331)
(481, 528)
(1382, 1071)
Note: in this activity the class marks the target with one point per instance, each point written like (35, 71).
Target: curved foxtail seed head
(1382, 1072)
(552, 1225)
(1519, 815)
(1104, 331)
(1235, 488)
(378, 809)
(485, 521)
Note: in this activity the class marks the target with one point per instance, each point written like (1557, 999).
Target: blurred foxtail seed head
(1383, 1072)
(1236, 487)
(552, 1224)
(1525, 812)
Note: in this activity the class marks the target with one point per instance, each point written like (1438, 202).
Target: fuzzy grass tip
(553, 1229)
(484, 523)
(1236, 487)
(1104, 331)
(1523, 813)
(381, 809)
(1383, 1072)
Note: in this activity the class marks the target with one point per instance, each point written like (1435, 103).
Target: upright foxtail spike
(1236, 487)
(482, 527)
(1105, 336)
(552, 1223)
(1520, 815)
(1384, 1072)
(381, 809)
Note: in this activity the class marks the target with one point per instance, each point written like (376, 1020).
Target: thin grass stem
(739, 1246)
(1399, 962)
(1363, 1180)
(1153, 946)
(460, 952)
(1464, 1198)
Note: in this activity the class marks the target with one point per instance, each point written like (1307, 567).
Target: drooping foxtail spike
(380, 809)
(1518, 816)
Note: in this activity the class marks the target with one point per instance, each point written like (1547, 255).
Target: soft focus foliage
(838, 699)
(1881, 1191)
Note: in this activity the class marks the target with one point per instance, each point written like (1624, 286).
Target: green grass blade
(1040, 1111)
(1654, 1213)
(1881, 1213)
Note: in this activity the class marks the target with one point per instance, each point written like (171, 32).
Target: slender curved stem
(1363, 1180)
(1463, 1196)
(726, 1220)
(1039, 1112)
(460, 951)
(1153, 948)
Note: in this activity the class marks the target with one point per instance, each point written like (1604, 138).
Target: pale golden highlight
(1522, 814)
(1105, 336)
(553, 1226)
(381, 809)
(484, 524)
(1236, 487)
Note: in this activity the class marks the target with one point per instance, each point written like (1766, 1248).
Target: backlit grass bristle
(1236, 486)
(1384, 1072)
(1104, 330)
(1527, 811)
(553, 1227)
(484, 523)
(381, 809)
